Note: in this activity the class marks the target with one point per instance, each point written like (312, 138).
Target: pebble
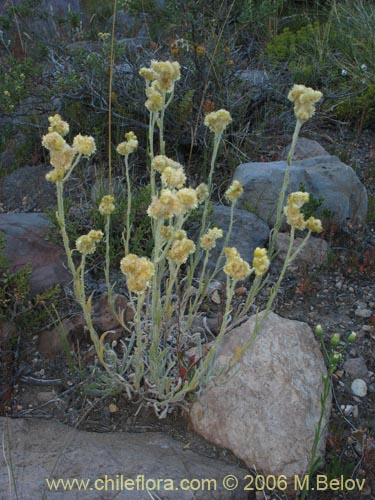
(356, 368)
(361, 305)
(45, 396)
(339, 285)
(363, 313)
(350, 410)
(367, 328)
(359, 388)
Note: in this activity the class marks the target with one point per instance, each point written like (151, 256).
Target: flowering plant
(152, 362)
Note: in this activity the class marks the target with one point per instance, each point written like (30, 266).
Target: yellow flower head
(161, 162)
(234, 191)
(231, 253)
(84, 145)
(62, 160)
(292, 210)
(95, 235)
(181, 249)
(298, 198)
(180, 234)
(53, 142)
(173, 177)
(165, 206)
(155, 101)
(261, 262)
(129, 263)
(217, 121)
(294, 217)
(55, 175)
(314, 225)
(236, 267)
(107, 206)
(202, 192)
(58, 125)
(128, 146)
(188, 198)
(166, 73)
(86, 244)
(166, 232)
(148, 74)
(200, 50)
(304, 99)
(138, 272)
(208, 240)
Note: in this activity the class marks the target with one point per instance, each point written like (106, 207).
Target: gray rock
(325, 176)
(267, 411)
(43, 449)
(25, 243)
(26, 189)
(359, 388)
(125, 24)
(315, 252)
(363, 313)
(248, 233)
(356, 367)
(305, 148)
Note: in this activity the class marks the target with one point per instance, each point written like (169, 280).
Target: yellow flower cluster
(167, 233)
(165, 206)
(188, 199)
(294, 215)
(53, 141)
(128, 146)
(208, 240)
(217, 121)
(161, 162)
(173, 177)
(107, 206)
(181, 249)
(61, 154)
(298, 198)
(84, 145)
(261, 262)
(161, 78)
(236, 267)
(138, 272)
(234, 191)
(86, 244)
(58, 125)
(202, 192)
(166, 73)
(314, 225)
(304, 99)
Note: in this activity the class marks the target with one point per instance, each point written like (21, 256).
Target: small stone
(113, 408)
(215, 297)
(359, 388)
(356, 368)
(45, 396)
(241, 291)
(361, 305)
(367, 328)
(363, 313)
(338, 285)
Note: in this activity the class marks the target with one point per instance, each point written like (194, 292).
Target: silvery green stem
(280, 203)
(128, 205)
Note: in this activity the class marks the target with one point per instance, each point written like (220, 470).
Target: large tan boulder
(268, 410)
